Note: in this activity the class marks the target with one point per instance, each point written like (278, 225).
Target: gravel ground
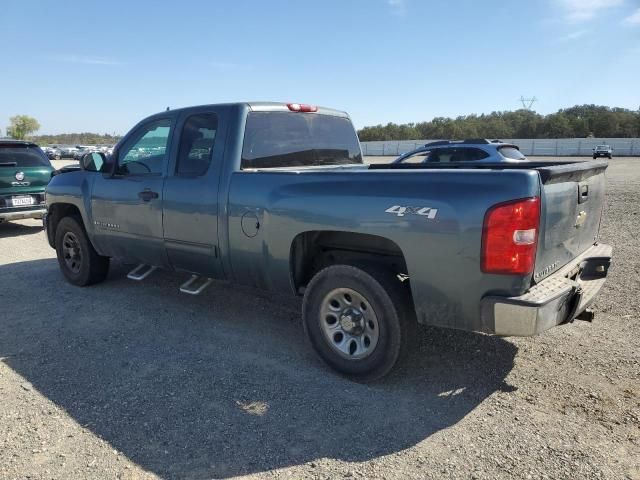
(135, 380)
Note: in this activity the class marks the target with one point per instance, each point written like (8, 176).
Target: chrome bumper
(8, 216)
(557, 299)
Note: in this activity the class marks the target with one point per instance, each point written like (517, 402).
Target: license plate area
(22, 201)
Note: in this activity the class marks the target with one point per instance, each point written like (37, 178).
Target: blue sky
(102, 66)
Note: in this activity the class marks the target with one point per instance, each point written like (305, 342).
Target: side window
(439, 155)
(145, 151)
(196, 144)
(471, 154)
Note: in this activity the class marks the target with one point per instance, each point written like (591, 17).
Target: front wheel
(358, 320)
(79, 262)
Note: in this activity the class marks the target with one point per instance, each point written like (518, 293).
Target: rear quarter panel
(442, 254)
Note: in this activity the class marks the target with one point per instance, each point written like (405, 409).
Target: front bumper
(557, 299)
(10, 215)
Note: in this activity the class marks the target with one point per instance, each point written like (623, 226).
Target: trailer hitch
(587, 315)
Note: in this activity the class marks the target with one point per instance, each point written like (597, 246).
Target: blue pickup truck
(277, 196)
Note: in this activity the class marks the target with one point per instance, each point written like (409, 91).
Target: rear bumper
(9, 215)
(557, 299)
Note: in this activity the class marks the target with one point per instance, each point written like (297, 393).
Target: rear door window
(18, 155)
(288, 139)
(196, 144)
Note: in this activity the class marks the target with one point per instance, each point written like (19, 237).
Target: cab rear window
(286, 139)
(12, 155)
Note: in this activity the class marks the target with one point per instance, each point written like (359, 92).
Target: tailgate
(16, 179)
(572, 199)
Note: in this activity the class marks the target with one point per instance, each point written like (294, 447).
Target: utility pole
(527, 103)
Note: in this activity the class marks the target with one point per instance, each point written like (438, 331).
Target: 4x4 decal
(401, 211)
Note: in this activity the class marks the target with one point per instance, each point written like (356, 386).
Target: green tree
(22, 125)
(579, 121)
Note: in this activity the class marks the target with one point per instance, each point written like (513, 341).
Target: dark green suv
(25, 171)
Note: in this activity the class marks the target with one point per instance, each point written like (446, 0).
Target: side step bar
(141, 272)
(195, 285)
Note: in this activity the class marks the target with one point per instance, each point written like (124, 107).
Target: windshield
(18, 155)
(286, 139)
(418, 157)
(602, 147)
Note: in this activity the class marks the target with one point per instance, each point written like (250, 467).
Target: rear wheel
(358, 320)
(79, 262)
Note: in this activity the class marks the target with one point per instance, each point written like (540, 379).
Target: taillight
(510, 237)
(302, 107)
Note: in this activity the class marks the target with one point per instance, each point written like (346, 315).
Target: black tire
(609, 157)
(392, 307)
(594, 157)
(89, 267)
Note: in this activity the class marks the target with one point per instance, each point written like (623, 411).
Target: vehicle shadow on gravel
(10, 229)
(225, 384)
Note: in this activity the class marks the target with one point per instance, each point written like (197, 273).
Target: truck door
(127, 204)
(191, 193)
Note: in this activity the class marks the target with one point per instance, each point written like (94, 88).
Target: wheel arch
(311, 251)
(55, 213)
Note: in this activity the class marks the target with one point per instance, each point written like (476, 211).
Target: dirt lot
(135, 380)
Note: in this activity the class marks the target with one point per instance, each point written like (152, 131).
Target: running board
(195, 285)
(141, 272)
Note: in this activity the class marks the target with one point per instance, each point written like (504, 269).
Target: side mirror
(93, 162)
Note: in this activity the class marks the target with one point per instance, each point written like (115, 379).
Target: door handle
(147, 195)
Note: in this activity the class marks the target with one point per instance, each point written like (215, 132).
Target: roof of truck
(261, 107)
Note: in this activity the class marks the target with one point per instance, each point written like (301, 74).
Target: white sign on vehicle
(22, 201)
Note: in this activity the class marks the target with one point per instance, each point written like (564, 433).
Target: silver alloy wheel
(349, 323)
(71, 252)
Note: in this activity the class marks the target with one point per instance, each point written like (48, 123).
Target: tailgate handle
(583, 193)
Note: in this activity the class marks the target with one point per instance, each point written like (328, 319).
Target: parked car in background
(461, 151)
(25, 171)
(276, 196)
(603, 151)
(82, 150)
(52, 153)
(67, 151)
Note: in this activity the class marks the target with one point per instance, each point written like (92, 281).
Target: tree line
(580, 121)
(22, 127)
(85, 138)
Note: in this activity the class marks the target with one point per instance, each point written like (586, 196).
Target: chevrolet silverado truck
(276, 196)
(25, 171)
